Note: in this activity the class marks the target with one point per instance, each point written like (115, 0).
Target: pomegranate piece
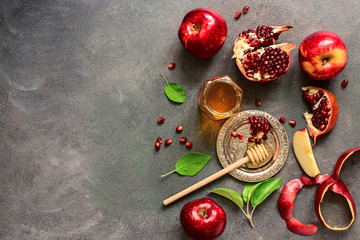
(234, 134)
(292, 123)
(324, 111)
(258, 102)
(183, 140)
(171, 65)
(188, 145)
(344, 83)
(237, 15)
(161, 120)
(282, 119)
(245, 9)
(259, 127)
(168, 142)
(159, 140)
(258, 58)
(179, 129)
(157, 145)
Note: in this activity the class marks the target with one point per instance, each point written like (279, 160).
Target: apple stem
(164, 79)
(164, 175)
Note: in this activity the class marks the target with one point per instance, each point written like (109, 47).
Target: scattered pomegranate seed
(159, 140)
(292, 123)
(258, 102)
(234, 134)
(157, 146)
(172, 65)
(241, 137)
(161, 120)
(344, 83)
(282, 119)
(237, 15)
(188, 145)
(179, 129)
(183, 140)
(168, 142)
(251, 139)
(246, 9)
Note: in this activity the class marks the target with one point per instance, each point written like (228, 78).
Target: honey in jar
(220, 97)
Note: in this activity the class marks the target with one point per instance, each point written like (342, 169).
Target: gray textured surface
(80, 93)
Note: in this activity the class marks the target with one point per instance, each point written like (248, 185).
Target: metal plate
(230, 149)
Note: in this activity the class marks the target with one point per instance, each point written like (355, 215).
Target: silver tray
(230, 149)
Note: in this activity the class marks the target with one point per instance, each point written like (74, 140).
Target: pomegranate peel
(324, 111)
(257, 58)
(336, 186)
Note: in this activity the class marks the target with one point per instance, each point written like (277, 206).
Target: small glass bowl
(215, 115)
(230, 149)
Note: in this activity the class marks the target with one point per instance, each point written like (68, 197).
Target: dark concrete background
(80, 93)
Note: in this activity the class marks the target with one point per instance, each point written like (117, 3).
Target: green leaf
(175, 92)
(190, 164)
(229, 194)
(264, 190)
(248, 190)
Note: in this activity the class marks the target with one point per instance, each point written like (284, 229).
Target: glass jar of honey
(220, 97)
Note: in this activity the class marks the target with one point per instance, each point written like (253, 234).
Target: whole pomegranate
(258, 58)
(324, 111)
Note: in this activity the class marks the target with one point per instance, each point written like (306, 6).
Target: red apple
(203, 219)
(203, 32)
(322, 55)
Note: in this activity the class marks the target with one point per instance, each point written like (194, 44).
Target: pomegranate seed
(258, 141)
(188, 145)
(246, 9)
(183, 140)
(172, 65)
(157, 146)
(237, 15)
(179, 129)
(344, 83)
(251, 139)
(241, 137)
(161, 120)
(282, 119)
(292, 123)
(159, 140)
(234, 134)
(168, 142)
(258, 102)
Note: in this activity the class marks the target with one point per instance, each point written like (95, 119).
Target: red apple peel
(337, 186)
(286, 203)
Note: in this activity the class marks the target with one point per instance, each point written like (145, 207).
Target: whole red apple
(203, 219)
(322, 55)
(203, 32)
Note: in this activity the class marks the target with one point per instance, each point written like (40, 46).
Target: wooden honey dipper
(256, 154)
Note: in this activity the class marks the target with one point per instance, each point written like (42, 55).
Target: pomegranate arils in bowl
(258, 58)
(259, 127)
(324, 110)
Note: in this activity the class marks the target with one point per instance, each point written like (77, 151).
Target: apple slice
(304, 153)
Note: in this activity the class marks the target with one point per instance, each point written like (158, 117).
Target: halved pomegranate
(324, 111)
(258, 58)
